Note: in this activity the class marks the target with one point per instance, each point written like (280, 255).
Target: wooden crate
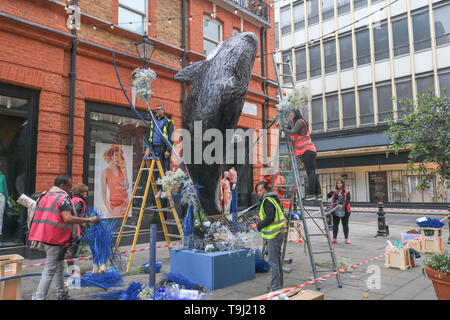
(431, 240)
(11, 265)
(416, 244)
(399, 258)
(295, 231)
(299, 294)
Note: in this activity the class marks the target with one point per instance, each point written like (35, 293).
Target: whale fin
(187, 74)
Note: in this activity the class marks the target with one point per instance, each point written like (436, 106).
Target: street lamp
(144, 48)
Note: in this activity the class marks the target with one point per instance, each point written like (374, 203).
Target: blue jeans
(160, 151)
(274, 251)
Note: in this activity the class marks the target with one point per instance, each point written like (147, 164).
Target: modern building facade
(355, 56)
(61, 105)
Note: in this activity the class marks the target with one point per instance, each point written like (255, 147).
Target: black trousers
(160, 151)
(344, 220)
(309, 160)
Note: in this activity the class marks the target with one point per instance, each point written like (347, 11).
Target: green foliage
(424, 130)
(439, 262)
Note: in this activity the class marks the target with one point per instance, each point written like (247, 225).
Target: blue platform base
(213, 270)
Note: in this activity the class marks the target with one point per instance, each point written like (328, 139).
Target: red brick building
(45, 85)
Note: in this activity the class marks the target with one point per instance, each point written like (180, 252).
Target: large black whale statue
(216, 98)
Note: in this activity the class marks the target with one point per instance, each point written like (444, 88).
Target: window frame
(439, 37)
(211, 39)
(347, 61)
(428, 39)
(398, 49)
(135, 11)
(362, 59)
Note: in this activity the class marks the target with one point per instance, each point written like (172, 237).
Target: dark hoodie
(269, 210)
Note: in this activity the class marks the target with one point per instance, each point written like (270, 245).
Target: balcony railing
(257, 7)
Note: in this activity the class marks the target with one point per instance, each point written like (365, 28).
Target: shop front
(18, 145)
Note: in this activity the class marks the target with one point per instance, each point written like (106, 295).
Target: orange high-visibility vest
(302, 143)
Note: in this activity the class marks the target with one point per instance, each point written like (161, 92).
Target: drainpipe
(264, 85)
(72, 78)
(183, 46)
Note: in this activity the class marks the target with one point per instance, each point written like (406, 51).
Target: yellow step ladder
(148, 164)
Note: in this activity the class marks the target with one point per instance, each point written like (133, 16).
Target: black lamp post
(144, 48)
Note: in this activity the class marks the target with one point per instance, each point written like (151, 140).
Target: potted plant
(437, 267)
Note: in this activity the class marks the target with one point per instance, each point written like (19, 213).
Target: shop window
(442, 24)
(346, 51)
(328, 182)
(18, 123)
(132, 11)
(378, 186)
(395, 186)
(113, 159)
(421, 196)
(421, 31)
(212, 34)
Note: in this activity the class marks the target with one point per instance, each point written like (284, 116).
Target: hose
(40, 274)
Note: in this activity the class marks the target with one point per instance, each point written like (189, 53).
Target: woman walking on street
(306, 151)
(340, 197)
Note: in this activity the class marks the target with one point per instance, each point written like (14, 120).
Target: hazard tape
(91, 257)
(339, 271)
(400, 209)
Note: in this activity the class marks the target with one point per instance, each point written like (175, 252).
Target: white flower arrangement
(142, 80)
(146, 293)
(173, 180)
(297, 99)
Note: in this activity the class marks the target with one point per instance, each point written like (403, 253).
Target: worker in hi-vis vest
(272, 225)
(158, 146)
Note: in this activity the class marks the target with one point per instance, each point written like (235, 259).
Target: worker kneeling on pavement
(51, 226)
(272, 225)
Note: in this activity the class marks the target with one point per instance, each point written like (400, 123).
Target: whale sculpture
(216, 99)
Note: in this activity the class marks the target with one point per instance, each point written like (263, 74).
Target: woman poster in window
(112, 186)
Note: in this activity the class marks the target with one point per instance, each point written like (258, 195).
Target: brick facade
(35, 52)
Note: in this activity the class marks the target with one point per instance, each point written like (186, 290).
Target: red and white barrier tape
(339, 271)
(89, 258)
(443, 211)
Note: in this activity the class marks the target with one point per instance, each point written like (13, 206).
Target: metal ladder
(298, 200)
(148, 164)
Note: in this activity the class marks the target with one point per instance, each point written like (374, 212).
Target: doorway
(18, 123)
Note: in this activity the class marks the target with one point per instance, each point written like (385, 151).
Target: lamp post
(144, 48)
(383, 230)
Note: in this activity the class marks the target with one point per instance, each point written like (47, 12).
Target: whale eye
(213, 53)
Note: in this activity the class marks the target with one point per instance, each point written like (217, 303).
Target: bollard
(383, 230)
(448, 208)
(152, 260)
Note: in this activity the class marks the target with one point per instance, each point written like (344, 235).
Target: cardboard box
(11, 265)
(213, 270)
(299, 294)
(431, 240)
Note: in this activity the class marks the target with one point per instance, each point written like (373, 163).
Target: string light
(190, 18)
(170, 20)
(235, 11)
(95, 28)
(112, 26)
(149, 23)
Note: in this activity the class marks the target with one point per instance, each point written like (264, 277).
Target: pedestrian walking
(340, 197)
(306, 151)
(52, 226)
(272, 225)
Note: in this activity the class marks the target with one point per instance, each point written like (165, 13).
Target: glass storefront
(17, 160)
(114, 147)
(328, 182)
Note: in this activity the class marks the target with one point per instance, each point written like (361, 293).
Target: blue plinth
(213, 270)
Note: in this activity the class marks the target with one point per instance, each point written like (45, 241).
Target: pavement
(372, 281)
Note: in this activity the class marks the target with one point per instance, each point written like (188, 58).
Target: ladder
(148, 164)
(298, 202)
